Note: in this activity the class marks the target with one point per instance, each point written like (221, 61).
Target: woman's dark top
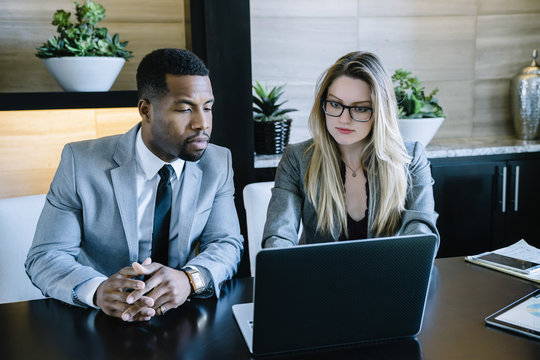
(357, 229)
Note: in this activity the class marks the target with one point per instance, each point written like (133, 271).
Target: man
(154, 204)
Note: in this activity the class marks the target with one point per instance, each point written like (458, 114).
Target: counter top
(446, 148)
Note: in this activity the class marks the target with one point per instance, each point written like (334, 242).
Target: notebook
(340, 293)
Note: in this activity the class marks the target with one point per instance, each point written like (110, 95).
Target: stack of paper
(519, 259)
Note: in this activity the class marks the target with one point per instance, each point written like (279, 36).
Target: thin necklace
(353, 171)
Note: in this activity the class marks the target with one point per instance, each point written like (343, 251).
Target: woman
(356, 178)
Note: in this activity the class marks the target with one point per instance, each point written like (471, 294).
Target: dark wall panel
(220, 35)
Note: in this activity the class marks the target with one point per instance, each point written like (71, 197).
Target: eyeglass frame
(343, 107)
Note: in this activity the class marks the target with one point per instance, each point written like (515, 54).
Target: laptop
(333, 294)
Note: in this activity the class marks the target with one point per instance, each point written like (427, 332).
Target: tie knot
(165, 172)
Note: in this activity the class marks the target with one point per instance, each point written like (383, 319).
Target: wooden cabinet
(486, 202)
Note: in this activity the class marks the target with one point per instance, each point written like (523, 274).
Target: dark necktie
(162, 217)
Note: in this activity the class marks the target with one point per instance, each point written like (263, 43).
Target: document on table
(520, 250)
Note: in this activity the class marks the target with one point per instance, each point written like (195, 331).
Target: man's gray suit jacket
(88, 227)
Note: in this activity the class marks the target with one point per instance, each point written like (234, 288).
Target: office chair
(18, 221)
(256, 199)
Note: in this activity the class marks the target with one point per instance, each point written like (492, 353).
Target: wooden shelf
(67, 100)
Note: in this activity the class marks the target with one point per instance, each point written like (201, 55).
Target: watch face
(198, 281)
(197, 278)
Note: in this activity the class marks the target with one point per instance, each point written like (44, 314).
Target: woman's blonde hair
(384, 156)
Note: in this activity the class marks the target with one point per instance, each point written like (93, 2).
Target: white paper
(521, 250)
(534, 276)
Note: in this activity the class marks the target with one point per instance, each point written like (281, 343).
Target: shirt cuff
(85, 291)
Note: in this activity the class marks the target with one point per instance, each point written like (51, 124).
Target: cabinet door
(468, 198)
(523, 199)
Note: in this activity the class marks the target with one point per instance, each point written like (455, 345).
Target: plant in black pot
(272, 124)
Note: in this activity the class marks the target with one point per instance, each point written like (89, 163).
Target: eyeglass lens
(358, 113)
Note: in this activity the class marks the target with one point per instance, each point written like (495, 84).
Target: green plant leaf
(284, 111)
(265, 103)
(83, 38)
(90, 12)
(411, 98)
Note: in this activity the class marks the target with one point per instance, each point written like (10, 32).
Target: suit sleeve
(52, 263)
(285, 208)
(419, 216)
(221, 244)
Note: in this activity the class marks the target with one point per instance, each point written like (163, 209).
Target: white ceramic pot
(84, 73)
(421, 130)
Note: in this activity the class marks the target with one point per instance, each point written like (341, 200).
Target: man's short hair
(151, 82)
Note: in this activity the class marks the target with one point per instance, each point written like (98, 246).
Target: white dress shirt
(148, 178)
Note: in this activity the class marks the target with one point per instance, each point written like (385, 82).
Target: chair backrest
(256, 199)
(18, 220)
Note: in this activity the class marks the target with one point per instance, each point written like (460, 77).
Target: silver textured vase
(525, 100)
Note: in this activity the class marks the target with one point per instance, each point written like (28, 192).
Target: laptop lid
(330, 294)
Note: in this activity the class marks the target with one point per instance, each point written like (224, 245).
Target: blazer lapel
(189, 194)
(124, 180)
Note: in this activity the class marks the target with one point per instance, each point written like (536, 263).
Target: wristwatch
(195, 279)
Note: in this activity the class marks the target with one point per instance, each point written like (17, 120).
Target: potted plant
(83, 56)
(420, 115)
(271, 123)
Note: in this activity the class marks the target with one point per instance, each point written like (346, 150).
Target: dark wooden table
(461, 296)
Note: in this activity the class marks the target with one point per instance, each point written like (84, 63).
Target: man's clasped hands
(124, 296)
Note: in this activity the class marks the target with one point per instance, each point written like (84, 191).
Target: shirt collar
(150, 163)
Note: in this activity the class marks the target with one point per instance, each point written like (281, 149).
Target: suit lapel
(125, 188)
(189, 195)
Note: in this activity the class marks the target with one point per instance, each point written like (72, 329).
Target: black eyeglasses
(358, 113)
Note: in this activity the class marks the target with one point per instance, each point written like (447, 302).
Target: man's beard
(195, 155)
